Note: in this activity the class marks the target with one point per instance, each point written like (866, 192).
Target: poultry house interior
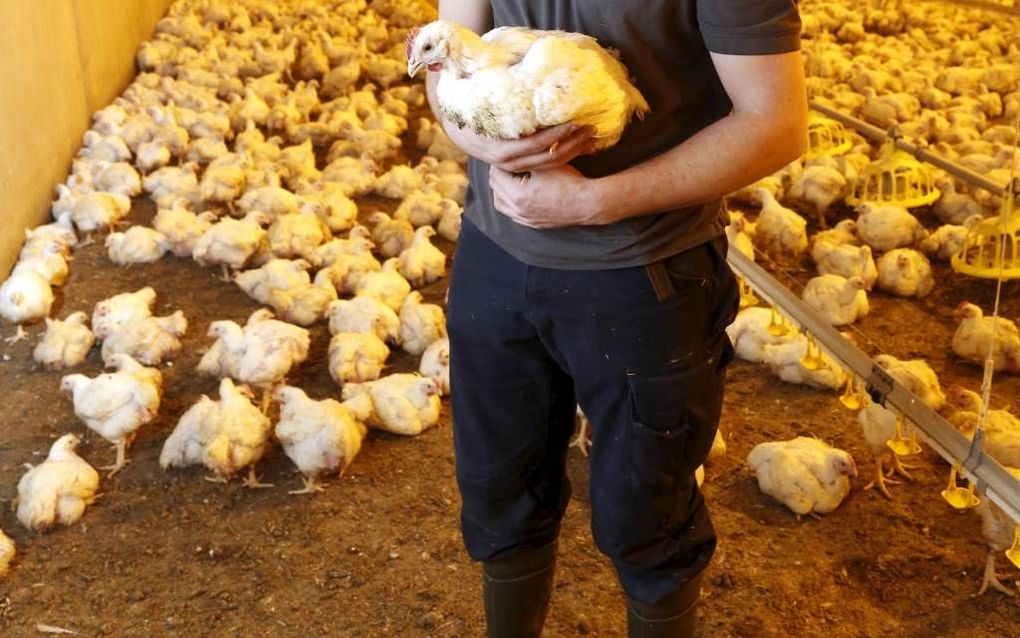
(276, 155)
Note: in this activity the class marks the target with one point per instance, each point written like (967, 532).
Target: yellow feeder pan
(896, 179)
(992, 247)
(903, 445)
(826, 138)
(852, 399)
(1013, 553)
(812, 359)
(961, 498)
(776, 327)
(747, 297)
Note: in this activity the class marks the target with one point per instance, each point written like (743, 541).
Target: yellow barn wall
(63, 60)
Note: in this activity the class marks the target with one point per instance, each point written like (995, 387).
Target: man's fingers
(544, 139)
(535, 143)
(565, 151)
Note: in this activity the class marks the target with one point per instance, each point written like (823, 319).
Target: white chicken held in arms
(513, 81)
(804, 474)
(57, 491)
(115, 405)
(321, 437)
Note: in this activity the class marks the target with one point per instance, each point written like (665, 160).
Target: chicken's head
(283, 393)
(115, 240)
(64, 446)
(71, 381)
(77, 317)
(843, 463)
(964, 399)
(428, 47)
(967, 310)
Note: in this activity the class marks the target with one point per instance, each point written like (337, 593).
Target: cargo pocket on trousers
(660, 421)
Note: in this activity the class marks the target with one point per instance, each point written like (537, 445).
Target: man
(601, 280)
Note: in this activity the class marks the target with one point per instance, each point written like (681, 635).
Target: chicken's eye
(427, 47)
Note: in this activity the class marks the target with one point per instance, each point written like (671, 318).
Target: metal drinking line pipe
(991, 479)
(877, 134)
(988, 6)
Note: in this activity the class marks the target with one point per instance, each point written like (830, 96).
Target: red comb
(412, 34)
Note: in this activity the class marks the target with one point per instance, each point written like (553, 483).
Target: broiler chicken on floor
(320, 437)
(115, 405)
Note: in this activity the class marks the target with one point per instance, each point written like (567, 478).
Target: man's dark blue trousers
(643, 351)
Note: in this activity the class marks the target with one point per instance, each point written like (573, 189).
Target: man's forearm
(738, 149)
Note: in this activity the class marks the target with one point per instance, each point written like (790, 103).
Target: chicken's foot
(311, 486)
(823, 223)
(121, 461)
(899, 467)
(991, 578)
(267, 400)
(216, 478)
(881, 481)
(20, 335)
(581, 440)
(87, 241)
(225, 276)
(252, 481)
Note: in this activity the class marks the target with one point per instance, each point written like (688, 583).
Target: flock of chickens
(947, 83)
(253, 130)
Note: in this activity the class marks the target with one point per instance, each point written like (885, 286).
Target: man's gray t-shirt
(665, 45)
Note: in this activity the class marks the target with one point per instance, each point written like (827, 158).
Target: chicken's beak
(413, 66)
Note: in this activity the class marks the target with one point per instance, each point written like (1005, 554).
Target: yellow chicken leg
(899, 467)
(253, 482)
(312, 486)
(991, 578)
(267, 400)
(20, 335)
(881, 481)
(581, 440)
(121, 461)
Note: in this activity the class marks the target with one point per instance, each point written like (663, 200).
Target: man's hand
(551, 148)
(552, 198)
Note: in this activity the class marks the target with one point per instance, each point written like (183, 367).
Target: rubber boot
(516, 592)
(671, 617)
